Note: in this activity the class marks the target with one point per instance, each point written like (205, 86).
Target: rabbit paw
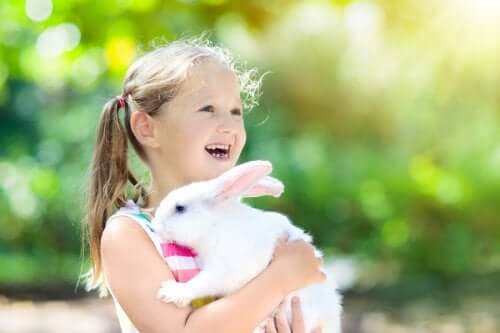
(174, 292)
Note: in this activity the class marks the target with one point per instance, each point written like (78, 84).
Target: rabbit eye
(180, 208)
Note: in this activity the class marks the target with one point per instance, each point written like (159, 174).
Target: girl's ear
(246, 179)
(144, 128)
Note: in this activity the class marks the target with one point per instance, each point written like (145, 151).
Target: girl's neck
(154, 199)
(156, 193)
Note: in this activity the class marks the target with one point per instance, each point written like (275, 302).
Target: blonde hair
(151, 81)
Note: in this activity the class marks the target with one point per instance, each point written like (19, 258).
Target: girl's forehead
(204, 81)
(208, 72)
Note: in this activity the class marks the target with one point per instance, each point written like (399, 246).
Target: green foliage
(383, 125)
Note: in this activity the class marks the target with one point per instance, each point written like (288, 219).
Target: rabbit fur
(235, 241)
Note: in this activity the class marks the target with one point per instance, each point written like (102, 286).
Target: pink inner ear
(256, 191)
(243, 181)
(265, 186)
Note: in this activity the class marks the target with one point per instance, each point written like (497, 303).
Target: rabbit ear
(265, 186)
(241, 179)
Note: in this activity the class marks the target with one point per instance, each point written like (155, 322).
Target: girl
(178, 102)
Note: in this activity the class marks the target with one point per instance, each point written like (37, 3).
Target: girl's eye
(208, 108)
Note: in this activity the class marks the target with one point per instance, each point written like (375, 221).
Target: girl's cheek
(197, 124)
(243, 136)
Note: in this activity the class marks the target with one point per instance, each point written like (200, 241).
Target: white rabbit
(235, 241)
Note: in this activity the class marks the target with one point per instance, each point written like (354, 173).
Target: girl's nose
(227, 126)
(223, 129)
(227, 130)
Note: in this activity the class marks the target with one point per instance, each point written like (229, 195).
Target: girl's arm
(243, 310)
(134, 272)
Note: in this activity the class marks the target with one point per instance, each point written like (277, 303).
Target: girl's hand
(296, 261)
(279, 324)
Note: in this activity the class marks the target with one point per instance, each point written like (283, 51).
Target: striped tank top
(182, 261)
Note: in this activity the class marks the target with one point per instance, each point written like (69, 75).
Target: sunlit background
(381, 118)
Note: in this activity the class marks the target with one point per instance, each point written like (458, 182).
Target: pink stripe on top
(173, 249)
(181, 260)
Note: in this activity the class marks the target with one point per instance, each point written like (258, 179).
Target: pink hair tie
(121, 101)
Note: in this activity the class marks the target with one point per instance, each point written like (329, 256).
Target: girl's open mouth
(219, 151)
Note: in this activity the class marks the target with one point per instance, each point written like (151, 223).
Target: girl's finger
(270, 328)
(297, 318)
(317, 330)
(283, 238)
(282, 325)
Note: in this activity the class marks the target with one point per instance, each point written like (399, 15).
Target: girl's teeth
(223, 156)
(218, 155)
(220, 146)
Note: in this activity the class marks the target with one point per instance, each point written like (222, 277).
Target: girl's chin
(218, 166)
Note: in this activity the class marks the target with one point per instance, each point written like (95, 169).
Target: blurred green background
(381, 118)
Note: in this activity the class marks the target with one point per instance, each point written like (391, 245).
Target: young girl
(183, 116)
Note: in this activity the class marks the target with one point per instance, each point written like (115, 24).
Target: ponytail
(107, 186)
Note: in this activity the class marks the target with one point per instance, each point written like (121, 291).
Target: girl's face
(207, 110)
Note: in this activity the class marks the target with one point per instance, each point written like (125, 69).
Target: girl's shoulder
(133, 211)
(169, 250)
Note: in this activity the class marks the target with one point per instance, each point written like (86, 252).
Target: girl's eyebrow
(235, 108)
